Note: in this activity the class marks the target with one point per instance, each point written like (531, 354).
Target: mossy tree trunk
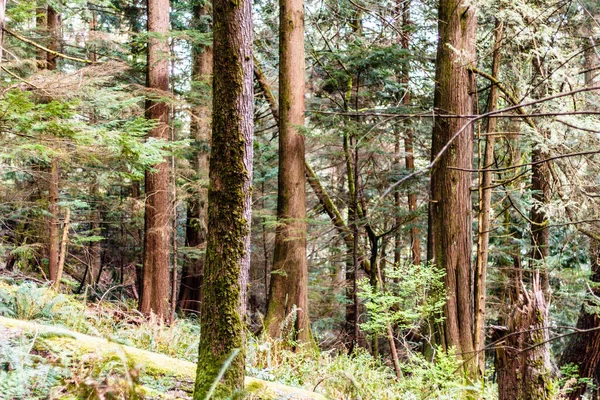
(450, 188)
(157, 247)
(288, 290)
(227, 262)
(195, 232)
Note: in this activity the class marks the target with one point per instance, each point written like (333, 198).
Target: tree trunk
(450, 188)
(155, 274)
(191, 275)
(227, 262)
(540, 186)
(583, 350)
(92, 277)
(415, 243)
(288, 292)
(53, 221)
(63, 249)
(53, 22)
(523, 360)
(485, 203)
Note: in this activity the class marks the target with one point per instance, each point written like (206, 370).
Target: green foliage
(24, 375)
(29, 301)
(413, 293)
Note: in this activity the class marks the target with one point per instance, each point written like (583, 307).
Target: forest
(300, 199)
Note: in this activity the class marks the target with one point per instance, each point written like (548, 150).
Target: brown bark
(191, 275)
(227, 263)
(485, 202)
(92, 277)
(450, 189)
(63, 249)
(583, 350)
(54, 26)
(540, 185)
(288, 291)
(53, 208)
(157, 247)
(522, 360)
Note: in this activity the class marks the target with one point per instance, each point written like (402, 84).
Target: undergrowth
(28, 374)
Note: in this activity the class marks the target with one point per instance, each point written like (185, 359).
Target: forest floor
(58, 346)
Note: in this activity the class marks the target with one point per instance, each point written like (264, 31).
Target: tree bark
(190, 294)
(540, 186)
(227, 262)
(583, 350)
(63, 249)
(450, 189)
(157, 247)
(288, 291)
(523, 360)
(53, 22)
(53, 221)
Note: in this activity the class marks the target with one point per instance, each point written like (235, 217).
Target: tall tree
(450, 188)
(583, 349)
(202, 69)
(227, 260)
(155, 275)
(53, 26)
(289, 277)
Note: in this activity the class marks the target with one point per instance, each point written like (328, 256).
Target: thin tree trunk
(96, 247)
(53, 221)
(157, 246)
(415, 244)
(288, 291)
(227, 263)
(63, 249)
(485, 202)
(450, 189)
(191, 274)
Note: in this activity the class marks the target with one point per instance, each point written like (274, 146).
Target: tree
(288, 291)
(450, 213)
(202, 64)
(155, 275)
(227, 260)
